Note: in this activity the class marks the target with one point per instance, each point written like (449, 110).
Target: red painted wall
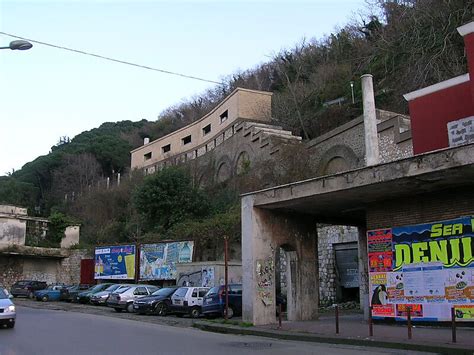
(87, 271)
(431, 113)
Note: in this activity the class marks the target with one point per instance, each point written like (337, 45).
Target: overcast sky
(47, 93)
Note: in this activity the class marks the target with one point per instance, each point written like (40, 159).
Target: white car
(7, 309)
(188, 300)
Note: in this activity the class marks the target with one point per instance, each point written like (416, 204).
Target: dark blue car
(214, 301)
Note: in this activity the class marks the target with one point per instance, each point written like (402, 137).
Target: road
(40, 331)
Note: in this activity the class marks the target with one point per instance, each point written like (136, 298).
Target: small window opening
(206, 129)
(166, 148)
(224, 115)
(147, 156)
(186, 139)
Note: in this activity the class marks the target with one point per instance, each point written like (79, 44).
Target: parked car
(51, 293)
(100, 298)
(122, 298)
(188, 300)
(85, 296)
(69, 293)
(159, 302)
(27, 288)
(214, 301)
(7, 309)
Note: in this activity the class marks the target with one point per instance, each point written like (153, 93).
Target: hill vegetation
(405, 44)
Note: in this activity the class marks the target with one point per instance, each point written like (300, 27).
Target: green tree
(168, 197)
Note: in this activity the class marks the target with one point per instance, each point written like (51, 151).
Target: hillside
(406, 45)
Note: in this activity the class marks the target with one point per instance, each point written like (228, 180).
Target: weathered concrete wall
(13, 210)
(41, 269)
(11, 270)
(263, 232)
(71, 237)
(190, 274)
(12, 231)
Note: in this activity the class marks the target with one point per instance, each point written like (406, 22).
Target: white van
(188, 300)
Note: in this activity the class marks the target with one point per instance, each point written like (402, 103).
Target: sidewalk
(353, 330)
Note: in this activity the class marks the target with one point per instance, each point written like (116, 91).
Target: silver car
(122, 298)
(7, 309)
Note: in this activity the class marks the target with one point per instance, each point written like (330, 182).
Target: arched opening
(223, 172)
(243, 163)
(336, 165)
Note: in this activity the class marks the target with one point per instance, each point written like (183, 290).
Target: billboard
(427, 267)
(114, 262)
(158, 261)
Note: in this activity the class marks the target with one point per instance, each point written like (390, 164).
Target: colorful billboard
(115, 262)
(427, 267)
(158, 261)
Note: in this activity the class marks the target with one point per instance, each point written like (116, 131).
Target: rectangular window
(166, 148)
(147, 156)
(186, 140)
(224, 115)
(206, 129)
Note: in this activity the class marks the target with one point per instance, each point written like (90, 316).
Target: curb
(317, 338)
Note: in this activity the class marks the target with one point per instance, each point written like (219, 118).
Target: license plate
(178, 302)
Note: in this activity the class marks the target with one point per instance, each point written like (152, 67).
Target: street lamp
(352, 91)
(19, 44)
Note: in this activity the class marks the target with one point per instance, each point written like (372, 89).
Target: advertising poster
(464, 312)
(416, 310)
(432, 269)
(379, 295)
(158, 261)
(115, 262)
(207, 276)
(379, 247)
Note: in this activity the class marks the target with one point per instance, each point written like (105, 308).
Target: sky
(47, 93)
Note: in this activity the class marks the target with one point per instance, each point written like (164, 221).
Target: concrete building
(20, 258)
(436, 184)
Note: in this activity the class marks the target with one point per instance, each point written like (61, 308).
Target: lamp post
(352, 90)
(18, 45)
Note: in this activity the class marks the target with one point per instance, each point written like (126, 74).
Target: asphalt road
(39, 331)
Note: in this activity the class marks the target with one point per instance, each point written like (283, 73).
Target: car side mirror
(10, 297)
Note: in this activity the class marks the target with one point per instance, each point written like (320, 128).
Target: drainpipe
(370, 121)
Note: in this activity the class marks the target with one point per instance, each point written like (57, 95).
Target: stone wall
(328, 237)
(65, 270)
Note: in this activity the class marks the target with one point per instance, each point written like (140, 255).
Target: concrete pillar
(118, 179)
(363, 272)
(263, 232)
(370, 121)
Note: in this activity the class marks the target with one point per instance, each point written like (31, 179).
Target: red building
(442, 115)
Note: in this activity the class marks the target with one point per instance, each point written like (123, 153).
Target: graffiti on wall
(204, 277)
(264, 275)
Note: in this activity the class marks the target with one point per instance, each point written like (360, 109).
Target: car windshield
(164, 292)
(3, 294)
(51, 287)
(213, 291)
(112, 287)
(95, 288)
(22, 283)
(122, 289)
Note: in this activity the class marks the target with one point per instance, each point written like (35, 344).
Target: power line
(112, 59)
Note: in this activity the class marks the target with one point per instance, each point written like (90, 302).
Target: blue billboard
(115, 262)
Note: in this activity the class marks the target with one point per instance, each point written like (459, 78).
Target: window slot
(206, 129)
(186, 140)
(147, 156)
(166, 148)
(224, 115)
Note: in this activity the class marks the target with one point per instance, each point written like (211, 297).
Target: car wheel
(195, 312)
(161, 309)
(11, 325)
(31, 295)
(130, 308)
(118, 310)
(230, 312)
(45, 298)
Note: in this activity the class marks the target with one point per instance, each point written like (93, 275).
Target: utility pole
(226, 282)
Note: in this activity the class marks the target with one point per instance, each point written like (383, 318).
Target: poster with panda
(379, 295)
